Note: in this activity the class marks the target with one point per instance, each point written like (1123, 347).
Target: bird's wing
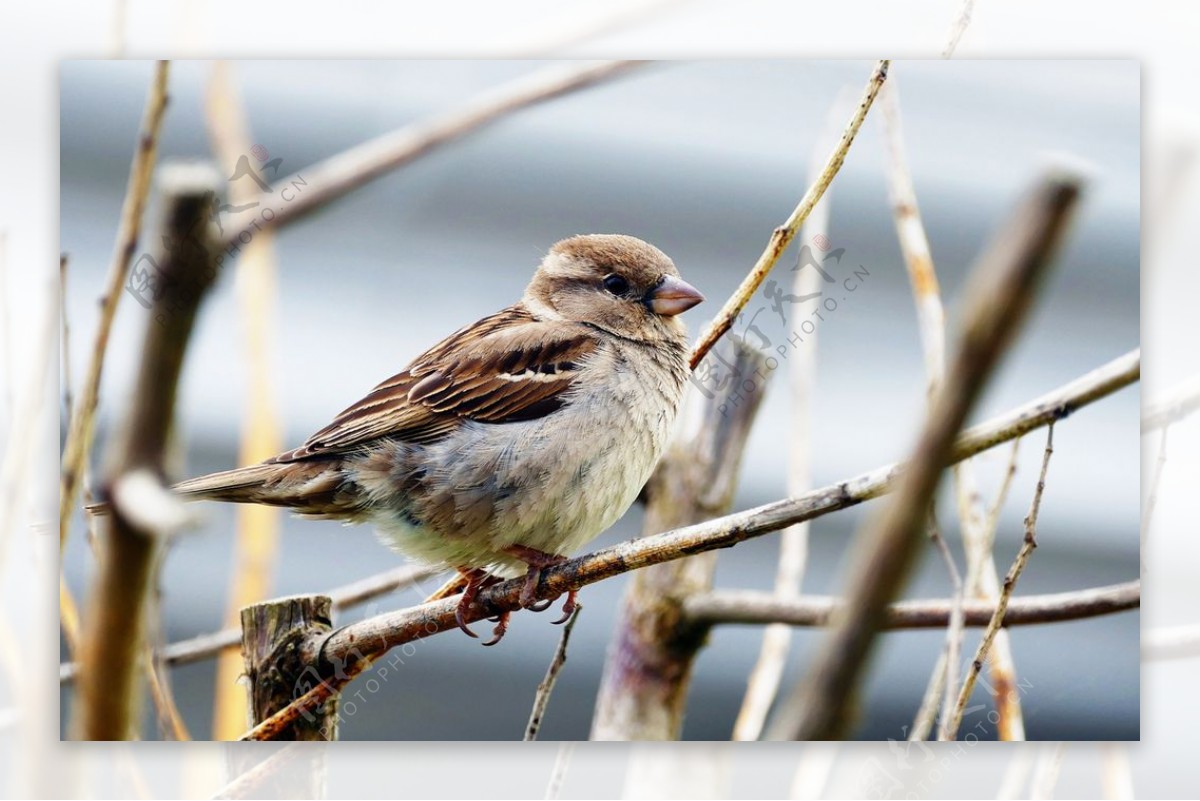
(504, 368)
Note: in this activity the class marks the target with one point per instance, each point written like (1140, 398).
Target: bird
(513, 442)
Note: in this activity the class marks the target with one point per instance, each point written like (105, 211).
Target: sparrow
(513, 442)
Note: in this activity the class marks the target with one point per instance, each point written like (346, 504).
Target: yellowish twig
(164, 701)
(782, 236)
(79, 434)
(258, 527)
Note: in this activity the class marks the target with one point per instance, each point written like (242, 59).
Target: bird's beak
(673, 296)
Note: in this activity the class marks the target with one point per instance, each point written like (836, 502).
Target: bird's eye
(616, 284)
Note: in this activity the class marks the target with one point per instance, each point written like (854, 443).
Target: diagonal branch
(950, 731)
(341, 174)
(782, 236)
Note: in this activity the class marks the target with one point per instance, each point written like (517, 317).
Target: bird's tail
(311, 488)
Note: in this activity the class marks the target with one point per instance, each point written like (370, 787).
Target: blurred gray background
(702, 159)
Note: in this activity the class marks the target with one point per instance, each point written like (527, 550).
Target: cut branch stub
(280, 639)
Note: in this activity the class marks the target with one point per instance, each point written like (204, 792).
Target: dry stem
(1010, 582)
(782, 236)
(744, 607)
(546, 686)
(83, 421)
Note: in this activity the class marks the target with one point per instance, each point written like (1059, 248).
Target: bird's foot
(568, 608)
(501, 621)
(539, 561)
(476, 581)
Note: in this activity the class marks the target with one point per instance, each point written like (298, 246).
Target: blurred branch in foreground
(643, 690)
(352, 648)
(144, 511)
(977, 528)
(1004, 283)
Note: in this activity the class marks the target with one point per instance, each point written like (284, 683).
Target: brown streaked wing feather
(504, 368)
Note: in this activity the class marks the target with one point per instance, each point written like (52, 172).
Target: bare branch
(113, 639)
(83, 421)
(546, 686)
(339, 175)
(196, 649)
(1010, 582)
(782, 236)
(744, 607)
(1005, 280)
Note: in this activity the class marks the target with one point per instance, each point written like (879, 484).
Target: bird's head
(617, 283)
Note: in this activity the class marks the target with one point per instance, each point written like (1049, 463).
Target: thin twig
(338, 175)
(546, 686)
(954, 631)
(359, 642)
(762, 686)
(1005, 280)
(1010, 582)
(993, 514)
(196, 649)
(745, 607)
(170, 718)
(65, 336)
(782, 236)
(83, 421)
